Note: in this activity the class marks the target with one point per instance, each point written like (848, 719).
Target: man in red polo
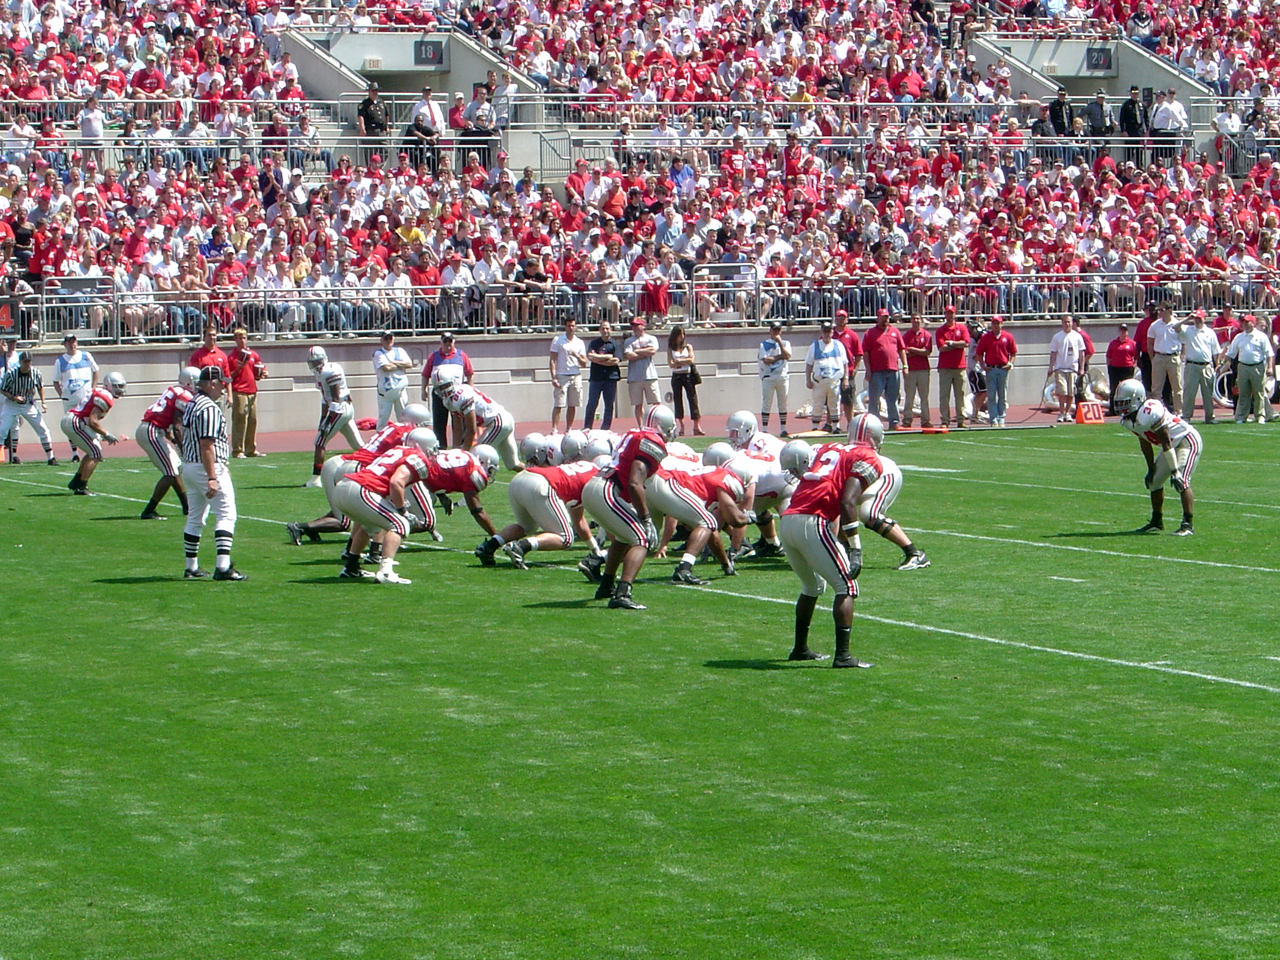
(848, 338)
(886, 354)
(952, 340)
(996, 350)
(1122, 364)
(919, 343)
(209, 353)
(246, 370)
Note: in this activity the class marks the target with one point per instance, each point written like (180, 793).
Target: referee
(204, 470)
(19, 388)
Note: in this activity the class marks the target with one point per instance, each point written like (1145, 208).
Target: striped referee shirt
(203, 420)
(23, 387)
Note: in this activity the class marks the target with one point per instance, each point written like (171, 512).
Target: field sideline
(1066, 748)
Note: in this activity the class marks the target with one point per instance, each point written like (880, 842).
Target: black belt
(1256, 364)
(1198, 363)
(1159, 353)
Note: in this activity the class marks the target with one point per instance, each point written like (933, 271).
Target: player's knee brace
(763, 517)
(881, 525)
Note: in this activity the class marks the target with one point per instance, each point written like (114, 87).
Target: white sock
(773, 541)
(224, 561)
(193, 563)
(689, 558)
(385, 567)
(533, 544)
(595, 547)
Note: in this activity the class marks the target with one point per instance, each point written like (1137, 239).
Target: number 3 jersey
(833, 464)
(1151, 416)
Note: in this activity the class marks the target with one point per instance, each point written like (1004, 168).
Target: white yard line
(1115, 493)
(116, 496)
(1068, 579)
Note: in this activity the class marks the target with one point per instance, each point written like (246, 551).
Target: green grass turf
(488, 765)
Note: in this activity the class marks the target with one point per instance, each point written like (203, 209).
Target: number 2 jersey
(820, 490)
(643, 446)
(376, 477)
(1151, 416)
(172, 402)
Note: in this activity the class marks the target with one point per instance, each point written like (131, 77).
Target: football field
(1067, 747)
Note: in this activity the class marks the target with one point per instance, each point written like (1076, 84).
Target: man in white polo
(1255, 358)
(391, 366)
(1165, 347)
(1066, 363)
(568, 357)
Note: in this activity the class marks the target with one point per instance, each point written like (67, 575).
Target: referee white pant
(774, 388)
(162, 454)
(390, 404)
(222, 506)
(30, 412)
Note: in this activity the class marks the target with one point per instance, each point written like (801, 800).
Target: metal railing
(712, 295)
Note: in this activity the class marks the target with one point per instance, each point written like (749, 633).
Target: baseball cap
(447, 335)
(775, 324)
(24, 356)
(211, 372)
(69, 336)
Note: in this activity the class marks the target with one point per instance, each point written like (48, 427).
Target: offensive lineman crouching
(830, 485)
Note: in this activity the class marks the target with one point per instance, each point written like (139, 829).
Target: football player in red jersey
(547, 505)
(616, 498)
(457, 471)
(158, 431)
(83, 427)
(335, 468)
(374, 498)
(689, 496)
(830, 485)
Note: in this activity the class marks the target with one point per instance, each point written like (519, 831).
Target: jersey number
(822, 467)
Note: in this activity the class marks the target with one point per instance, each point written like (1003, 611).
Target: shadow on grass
(1098, 534)
(133, 580)
(560, 604)
(747, 664)
(132, 516)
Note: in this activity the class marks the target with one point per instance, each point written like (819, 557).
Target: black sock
(375, 550)
(782, 419)
(842, 641)
(316, 468)
(152, 504)
(1157, 518)
(804, 617)
(623, 589)
(764, 421)
(909, 550)
(490, 545)
(605, 587)
(347, 548)
(1186, 518)
(683, 565)
(182, 499)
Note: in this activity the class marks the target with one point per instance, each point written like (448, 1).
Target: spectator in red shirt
(952, 340)
(996, 350)
(918, 350)
(209, 353)
(246, 370)
(1122, 363)
(886, 352)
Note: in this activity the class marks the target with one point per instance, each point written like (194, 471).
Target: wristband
(849, 529)
(644, 518)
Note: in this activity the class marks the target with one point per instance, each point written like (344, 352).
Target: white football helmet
(796, 457)
(717, 454)
(317, 358)
(662, 421)
(188, 376)
(602, 461)
(488, 458)
(116, 383)
(741, 427)
(599, 447)
(443, 377)
(740, 471)
(1130, 396)
(533, 450)
(866, 429)
(425, 439)
(417, 414)
(572, 446)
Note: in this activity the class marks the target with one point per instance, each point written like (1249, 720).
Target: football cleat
(313, 482)
(625, 603)
(848, 661)
(82, 492)
(763, 548)
(151, 515)
(917, 561)
(729, 569)
(391, 577)
(1150, 527)
(196, 574)
(16, 460)
(356, 574)
(231, 573)
(52, 461)
(1184, 530)
(589, 566)
(687, 576)
(295, 533)
(347, 557)
(744, 551)
(806, 654)
(516, 553)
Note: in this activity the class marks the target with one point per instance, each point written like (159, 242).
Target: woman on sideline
(680, 360)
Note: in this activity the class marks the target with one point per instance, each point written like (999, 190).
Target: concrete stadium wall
(513, 369)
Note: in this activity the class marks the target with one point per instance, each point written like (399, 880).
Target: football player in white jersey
(1180, 447)
(745, 434)
(336, 412)
(768, 492)
(484, 421)
(875, 501)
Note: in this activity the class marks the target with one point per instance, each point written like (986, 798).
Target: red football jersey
(376, 477)
(171, 403)
(455, 471)
(643, 445)
(568, 480)
(99, 399)
(706, 482)
(382, 441)
(833, 464)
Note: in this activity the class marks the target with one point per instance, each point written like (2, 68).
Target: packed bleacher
(162, 166)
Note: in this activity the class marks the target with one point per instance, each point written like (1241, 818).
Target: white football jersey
(771, 480)
(331, 380)
(1151, 416)
(466, 398)
(678, 451)
(613, 439)
(765, 445)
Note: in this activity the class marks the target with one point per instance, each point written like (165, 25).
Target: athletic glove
(650, 533)
(111, 439)
(752, 517)
(1151, 475)
(855, 562)
(1179, 483)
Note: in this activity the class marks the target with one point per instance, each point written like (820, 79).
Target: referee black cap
(211, 372)
(24, 356)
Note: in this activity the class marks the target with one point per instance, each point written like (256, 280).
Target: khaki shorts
(535, 506)
(642, 391)
(816, 554)
(568, 394)
(1064, 383)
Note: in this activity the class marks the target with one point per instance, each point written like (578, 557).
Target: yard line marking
(1115, 493)
(1097, 550)
(1007, 447)
(1068, 579)
(1073, 654)
(117, 496)
(1276, 659)
(912, 468)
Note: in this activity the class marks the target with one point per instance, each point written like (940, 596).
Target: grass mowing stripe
(120, 496)
(1096, 453)
(1116, 493)
(1094, 550)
